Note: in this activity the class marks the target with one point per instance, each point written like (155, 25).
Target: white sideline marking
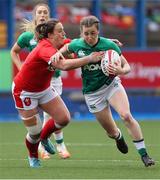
(81, 160)
(77, 144)
(71, 160)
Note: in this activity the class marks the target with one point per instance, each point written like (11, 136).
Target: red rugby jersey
(35, 75)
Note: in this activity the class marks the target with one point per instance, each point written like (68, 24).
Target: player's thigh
(106, 120)
(30, 117)
(27, 113)
(56, 109)
(119, 100)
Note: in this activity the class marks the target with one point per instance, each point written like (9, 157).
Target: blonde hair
(27, 25)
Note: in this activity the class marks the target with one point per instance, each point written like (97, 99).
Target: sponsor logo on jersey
(92, 67)
(89, 67)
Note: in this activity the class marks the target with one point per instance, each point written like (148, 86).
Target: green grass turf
(94, 155)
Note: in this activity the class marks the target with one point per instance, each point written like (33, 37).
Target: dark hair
(43, 29)
(88, 21)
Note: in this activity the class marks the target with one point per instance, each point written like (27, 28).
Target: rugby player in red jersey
(27, 40)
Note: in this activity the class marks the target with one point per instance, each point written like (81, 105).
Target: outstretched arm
(59, 62)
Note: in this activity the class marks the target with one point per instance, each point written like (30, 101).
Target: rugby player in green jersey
(101, 91)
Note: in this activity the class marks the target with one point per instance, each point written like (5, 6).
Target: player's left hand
(115, 69)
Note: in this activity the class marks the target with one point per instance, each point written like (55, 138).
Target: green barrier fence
(5, 71)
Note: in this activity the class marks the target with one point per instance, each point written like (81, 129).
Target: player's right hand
(57, 57)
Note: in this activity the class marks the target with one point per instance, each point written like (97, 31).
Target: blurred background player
(41, 13)
(101, 91)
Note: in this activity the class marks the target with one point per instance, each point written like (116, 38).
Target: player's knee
(65, 119)
(126, 116)
(33, 125)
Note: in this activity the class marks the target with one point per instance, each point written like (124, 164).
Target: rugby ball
(110, 57)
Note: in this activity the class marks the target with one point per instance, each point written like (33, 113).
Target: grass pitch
(94, 155)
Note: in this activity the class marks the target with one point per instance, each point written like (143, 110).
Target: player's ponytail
(27, 25)
(42, 30)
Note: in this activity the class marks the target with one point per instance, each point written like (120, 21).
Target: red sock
(32, 148)
(48, 129)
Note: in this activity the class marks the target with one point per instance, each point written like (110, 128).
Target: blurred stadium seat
(3, 34)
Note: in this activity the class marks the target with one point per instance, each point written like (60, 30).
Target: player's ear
(50, 35)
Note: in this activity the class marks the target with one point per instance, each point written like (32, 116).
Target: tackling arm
(59, 62)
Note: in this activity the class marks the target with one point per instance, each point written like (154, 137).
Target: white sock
(139, 145)
(120, 134)
(58, 136)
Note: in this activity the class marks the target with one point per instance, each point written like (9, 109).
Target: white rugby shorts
(56, 83)
(98, 100)
(30, 100)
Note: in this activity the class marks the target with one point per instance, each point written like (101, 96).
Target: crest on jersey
(27, 101)
(81, 53)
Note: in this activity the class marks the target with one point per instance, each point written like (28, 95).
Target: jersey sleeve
(72, 46)
(115, 47)
(23, 39)
(46, 53)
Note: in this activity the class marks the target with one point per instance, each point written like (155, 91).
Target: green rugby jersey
(27, 40)
(92, 75)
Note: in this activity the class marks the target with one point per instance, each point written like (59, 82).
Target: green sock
(142, 151)
(59, 141)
